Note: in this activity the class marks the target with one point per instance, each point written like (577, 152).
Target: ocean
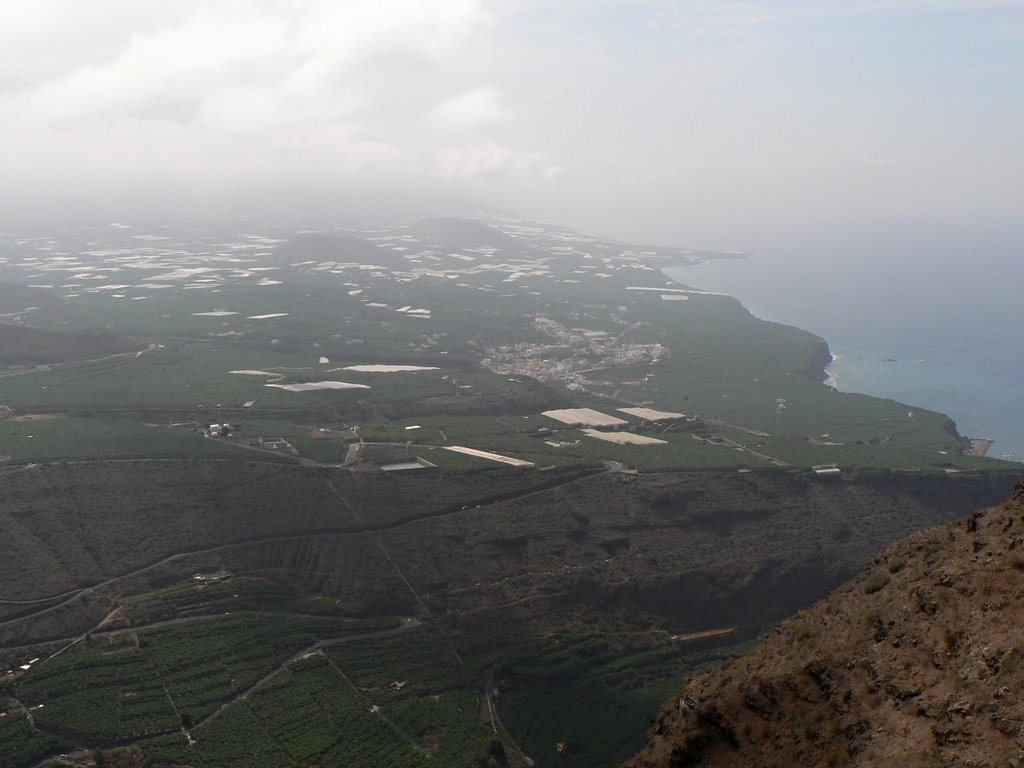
(939, 327)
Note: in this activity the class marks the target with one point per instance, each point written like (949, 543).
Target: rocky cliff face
(918, 661)
(820, 359)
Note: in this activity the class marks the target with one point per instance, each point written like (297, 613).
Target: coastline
(983, 405)
(986, 406)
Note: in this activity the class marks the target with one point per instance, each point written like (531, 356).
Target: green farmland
(268, 596)
(60, 437)
(235, 686)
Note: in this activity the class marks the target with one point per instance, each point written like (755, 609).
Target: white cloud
(768, 111)
(230, 66)
(489, 161)
(715, 17)
(469, 110)
(231, 97)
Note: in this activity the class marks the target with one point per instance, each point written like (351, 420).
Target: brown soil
(918, 661)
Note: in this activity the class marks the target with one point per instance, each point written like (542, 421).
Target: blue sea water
(939, 328)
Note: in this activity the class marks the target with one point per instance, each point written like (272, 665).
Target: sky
(727, 125)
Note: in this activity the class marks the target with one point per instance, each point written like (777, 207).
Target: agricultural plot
(510, 435)
(442, 460)
(403, 701)
(681, 452)
(203, 378)
(425, 664)
(425, 692)
(49, 439)
(310, 442)
(510, 431)
(99, 697)
(172, 377)
(177, 673)
(576, 693)
(208, 595)
(21, 745)
(228, 304)
(803, 453)
(533, 439)
(303, 306)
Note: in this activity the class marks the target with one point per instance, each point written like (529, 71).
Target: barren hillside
(918, 661)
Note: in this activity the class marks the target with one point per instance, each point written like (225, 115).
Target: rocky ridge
(917, 661)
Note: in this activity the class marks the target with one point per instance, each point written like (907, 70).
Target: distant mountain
(918, 661)
(456, 234)
(315, 246)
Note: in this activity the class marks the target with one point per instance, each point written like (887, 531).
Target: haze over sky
(711, 124)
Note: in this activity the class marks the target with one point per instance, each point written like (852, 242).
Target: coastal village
(574, 353)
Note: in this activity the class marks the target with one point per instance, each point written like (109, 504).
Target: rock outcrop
(918, 661)
(819, 361)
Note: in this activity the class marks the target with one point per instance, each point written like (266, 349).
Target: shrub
(875, 582)
(802, 630)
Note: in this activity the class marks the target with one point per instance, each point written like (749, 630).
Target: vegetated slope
(918, 661)
(457, 234)
(317, 246)
(674, 552)
(561, 574)
(16, 298)
(73, 525)
(31, 346)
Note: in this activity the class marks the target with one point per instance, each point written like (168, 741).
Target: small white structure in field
(489, 455)
(826, 469)
(649, 414)
(624, 438)
(584, 417)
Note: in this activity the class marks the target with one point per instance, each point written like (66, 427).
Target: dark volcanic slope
(314, 246)
(36, 306)
(20, 298)
(457, 234)
(556, 551)
(30, 346)
(919, 661)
